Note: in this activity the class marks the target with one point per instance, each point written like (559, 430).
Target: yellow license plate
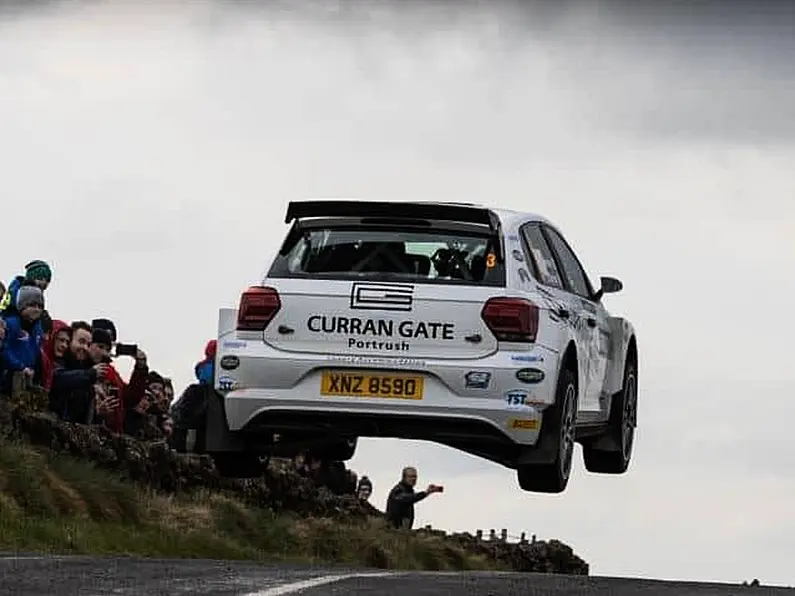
(365, 384)
(523, 424)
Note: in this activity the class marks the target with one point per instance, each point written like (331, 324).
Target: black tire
(234, 464)
(621, 429)
(337, 451)
(557, 434)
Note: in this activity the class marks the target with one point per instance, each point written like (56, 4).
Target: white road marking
(295, 587)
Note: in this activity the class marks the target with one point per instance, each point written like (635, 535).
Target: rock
(540, 556)
(326, 492)
(154, 465)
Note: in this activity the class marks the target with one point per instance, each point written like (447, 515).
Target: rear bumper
(482, 421)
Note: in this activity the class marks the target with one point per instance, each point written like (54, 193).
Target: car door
(566, 307)
(592, 326)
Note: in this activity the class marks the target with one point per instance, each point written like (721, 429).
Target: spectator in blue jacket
(205, 370)
(22, 345)
(37, 273)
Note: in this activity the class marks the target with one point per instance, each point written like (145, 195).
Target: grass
(56, 504)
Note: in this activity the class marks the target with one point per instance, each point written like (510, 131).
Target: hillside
(67, 488)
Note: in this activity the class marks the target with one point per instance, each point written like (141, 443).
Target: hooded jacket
(22, 344)
(48, 359)
(205, 369)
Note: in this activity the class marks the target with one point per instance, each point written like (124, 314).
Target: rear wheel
(613, 455)
(557, 435)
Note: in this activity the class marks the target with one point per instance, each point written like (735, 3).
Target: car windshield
(429, 256)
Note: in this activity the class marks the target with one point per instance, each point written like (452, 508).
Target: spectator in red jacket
(54, 350)
(128, 394)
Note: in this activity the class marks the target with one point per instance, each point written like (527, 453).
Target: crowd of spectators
(73, 363)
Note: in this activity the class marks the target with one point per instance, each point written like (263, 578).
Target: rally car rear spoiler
(457, 212)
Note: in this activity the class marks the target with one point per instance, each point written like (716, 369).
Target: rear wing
(457, 212)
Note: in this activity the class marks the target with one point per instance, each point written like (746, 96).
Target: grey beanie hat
(28, 296)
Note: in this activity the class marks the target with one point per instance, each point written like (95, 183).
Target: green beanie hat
(36, 270)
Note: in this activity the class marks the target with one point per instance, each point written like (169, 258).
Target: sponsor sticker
(530, 375)
(230, 362)
(379, 361)
(377, 334)
(517, 398)
(234, 344)
(477, 379)
(527, 358)
(227, 383)
(370, 296)
(523, 424)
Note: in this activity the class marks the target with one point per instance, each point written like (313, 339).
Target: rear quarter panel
(552, 333)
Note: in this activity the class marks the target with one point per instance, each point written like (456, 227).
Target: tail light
(511, 319)
(257, 308)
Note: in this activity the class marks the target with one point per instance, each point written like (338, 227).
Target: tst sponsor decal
(477, 379)
(527, 358)
(227, 383)
(530, 375)
(523, 424)
(517, 398)
(381, 334)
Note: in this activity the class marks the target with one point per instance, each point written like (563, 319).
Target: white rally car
(472, 327)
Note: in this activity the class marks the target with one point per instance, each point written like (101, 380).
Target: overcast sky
(149, 154)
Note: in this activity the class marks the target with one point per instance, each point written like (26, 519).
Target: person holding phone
(127, 394)
(106, 401)
(401, 499)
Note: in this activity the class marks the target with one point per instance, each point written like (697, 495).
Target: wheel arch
(623, 344)
(570, 360)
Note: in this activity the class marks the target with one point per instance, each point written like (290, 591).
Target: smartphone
(127, 350)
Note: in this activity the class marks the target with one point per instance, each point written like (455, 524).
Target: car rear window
(421, 256)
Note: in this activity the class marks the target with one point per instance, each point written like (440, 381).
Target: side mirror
(610, 285)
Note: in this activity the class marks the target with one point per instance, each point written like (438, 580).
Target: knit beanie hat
(29, 296)
(107, 325)
(155, 377)
(38, 270)
(102, 337)
(365, 483)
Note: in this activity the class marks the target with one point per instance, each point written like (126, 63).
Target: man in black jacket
(400, 503)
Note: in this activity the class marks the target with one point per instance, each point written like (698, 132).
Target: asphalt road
(83, 576)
